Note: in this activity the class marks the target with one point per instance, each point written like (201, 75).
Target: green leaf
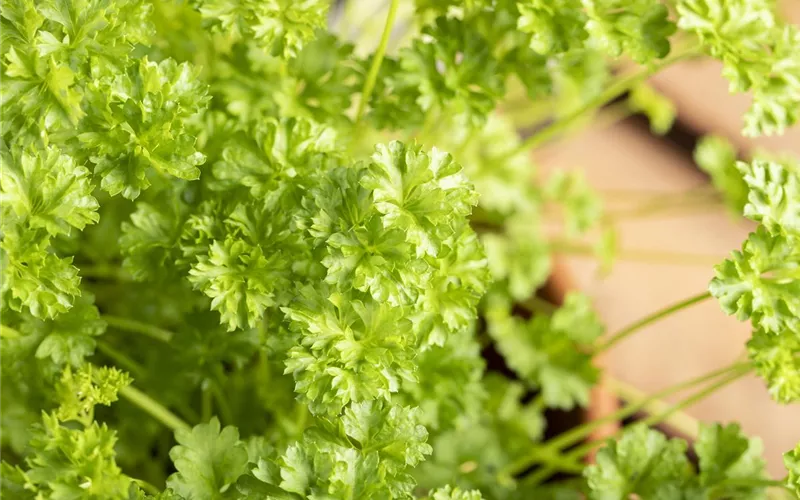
(419, 193)
(725, 453)
(660, 111)
(208, 460)
(144, 125)
(550, 353)
(450, 493)
(774, 193)
(75, 463)
(351, 348)
(46, 189)
(717, 157)
(582, 206)
(777, 360)
(553, 28)
(68, 338)
(757, 52)
(761, 282)
(639, 28)
(791, 460)
(35, 278)
(277, 26)
(78, 393)
(642, 462)
(451, 70)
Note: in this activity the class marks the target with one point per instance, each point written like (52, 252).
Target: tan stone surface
(696, 340)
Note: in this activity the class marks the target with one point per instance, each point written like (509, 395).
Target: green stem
(153, 408)
(131, 325)
(544, 473)
(6, 332)
(616, 89)
(680, 422)
(105, 272)
(120, 358)
(222, 403)
(205, 404)
(372, 75)
(538, 304)
(652, 318)
(577, 433)
(698, 396)
(147, 487)
(636, 255)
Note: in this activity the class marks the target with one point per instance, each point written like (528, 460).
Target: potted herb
(264, 249)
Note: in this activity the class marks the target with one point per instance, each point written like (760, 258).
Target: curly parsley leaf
(208, 459)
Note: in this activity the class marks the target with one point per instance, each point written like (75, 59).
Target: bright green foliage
(127, 140)
(366, 454)
(196, 182)
(725, 453)
(453, 72)
(717, 157)
(208, 460)
(792, 461)
(639, 28)
(35, 279)
(773, 194)
(449, 493)
(554, 27)
(551, 353)
(758, 54)
(660, 111)
(645, 463)
(46, 190)
(277, 26)
(471, 454)
(582, 207)
(81, 391)
(762, 282)
(69, 338)
(74, 463)
(776, 360)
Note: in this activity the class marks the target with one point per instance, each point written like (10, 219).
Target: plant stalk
(576, 434)
(638, 255)
(548, 470)
(652, 318)
(131, 325)
(153, 408)
(612, 92)
(372, 75)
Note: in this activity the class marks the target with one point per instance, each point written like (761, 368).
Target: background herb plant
(246, 246)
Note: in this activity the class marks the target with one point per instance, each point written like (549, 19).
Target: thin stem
(131, 325)
(538, 304)
(618, 88)
(680, 422)
(636, 255)
(205, 403)
(544, 473)
(372, 75)
(699, 396)
(120, 358)
(6, 332)
(147, 487)
(219, 397)
(577, 433)
(153, 408)
(105, 272)
(652, 318)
